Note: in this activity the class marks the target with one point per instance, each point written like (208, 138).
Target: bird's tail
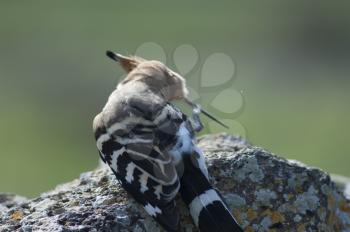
(207, 208)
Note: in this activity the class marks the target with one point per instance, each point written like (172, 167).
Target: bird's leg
(196, 121)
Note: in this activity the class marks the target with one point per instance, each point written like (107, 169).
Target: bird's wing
(135, 148)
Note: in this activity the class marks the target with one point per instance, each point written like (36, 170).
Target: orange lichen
(17, 215)
(238, 216)
(251, 214)
(331, 218)
(301, 228)
(331, 201)
(345, 207)
(266, 212)
(277, 217)
(249, 229)
(299, 189)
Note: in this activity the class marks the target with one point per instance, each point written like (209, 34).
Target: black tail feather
(207, 208)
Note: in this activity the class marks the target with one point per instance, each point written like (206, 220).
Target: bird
(149, 144)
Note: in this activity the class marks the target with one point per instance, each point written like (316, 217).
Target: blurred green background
(292, 60)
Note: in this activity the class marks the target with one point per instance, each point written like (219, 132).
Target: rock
(8, 200)
(264, 191)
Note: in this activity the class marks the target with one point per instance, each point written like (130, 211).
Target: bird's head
(158, 77)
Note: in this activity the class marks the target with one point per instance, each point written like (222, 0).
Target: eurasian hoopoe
(149, 145)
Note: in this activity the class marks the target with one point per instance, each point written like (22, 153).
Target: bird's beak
(127, 63)
(206, 113)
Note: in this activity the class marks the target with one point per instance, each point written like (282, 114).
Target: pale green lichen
(297, 218)
(266, 222)
(264, 196)
(249, 169)
(307, 201)
(325, 189)
(235, 200)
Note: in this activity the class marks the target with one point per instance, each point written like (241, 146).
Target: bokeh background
(292, 66)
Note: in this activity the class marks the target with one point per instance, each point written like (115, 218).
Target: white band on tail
(201, 201)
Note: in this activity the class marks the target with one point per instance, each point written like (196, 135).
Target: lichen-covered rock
(265, 193)
(9, 200)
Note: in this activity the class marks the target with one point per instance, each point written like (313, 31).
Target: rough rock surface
(264, 191)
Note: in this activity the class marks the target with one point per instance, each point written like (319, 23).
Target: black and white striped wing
(135, 148)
